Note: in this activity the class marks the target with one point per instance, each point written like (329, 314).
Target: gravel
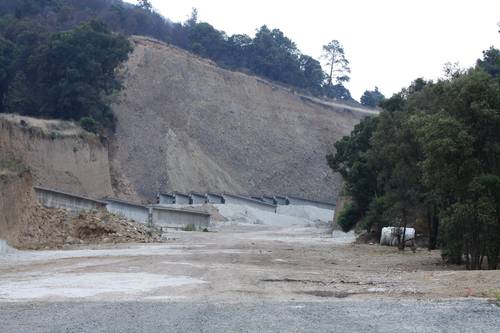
(333, 316)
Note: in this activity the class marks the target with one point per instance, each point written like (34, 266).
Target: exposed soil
(58, 229)
(25, 224)
(241, 264)
(59, 154)
(185, 124)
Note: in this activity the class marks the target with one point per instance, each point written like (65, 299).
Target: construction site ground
(300, 273)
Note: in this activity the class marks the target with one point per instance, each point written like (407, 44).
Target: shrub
(189, 227)
(89, 124)
(348, 217)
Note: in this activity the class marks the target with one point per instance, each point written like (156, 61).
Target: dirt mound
(185, 124)
(25, 224)
(56, 228)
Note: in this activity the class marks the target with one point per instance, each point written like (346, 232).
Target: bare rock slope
(186, 124)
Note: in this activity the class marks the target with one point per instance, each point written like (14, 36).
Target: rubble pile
(55, 228)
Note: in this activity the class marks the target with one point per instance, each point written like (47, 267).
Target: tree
(270, 54)
(461, 143)
(359, 174)
(337, 63)
(313, 74)
(372, 98)
(146, 5)
(207, 41)
(67, 75)
(337, 91)
(6, 56)
(432, 154)
(275, 56)
(490, 62)
(238, 48)
(193, 19)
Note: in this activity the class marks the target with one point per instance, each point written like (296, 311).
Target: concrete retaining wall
(233, 199)
(305, 202)
(269, 200)
(128, 210)
(281, 201)
(165, 199)
(4, 248)
(215, 198)
(182, 199)
(198, 198)
(176, 218)
(72, 202)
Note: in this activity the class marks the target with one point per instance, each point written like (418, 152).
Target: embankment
(185, 124)
(58, 154)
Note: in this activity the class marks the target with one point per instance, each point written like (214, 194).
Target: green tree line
(269, 53)
(66, 75)
(432, 155)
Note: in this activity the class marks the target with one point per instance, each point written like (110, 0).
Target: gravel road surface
(331, 316)
(244, 278)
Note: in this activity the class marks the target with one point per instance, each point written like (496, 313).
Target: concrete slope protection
(284, 218)
(185, 124)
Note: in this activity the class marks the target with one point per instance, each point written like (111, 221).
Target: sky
(389, 43)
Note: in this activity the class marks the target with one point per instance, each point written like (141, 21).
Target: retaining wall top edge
(249, 199)
(179, 210)
(181, 194)
(165, 194)
(45, 189)
(314, 201)
(124, 202)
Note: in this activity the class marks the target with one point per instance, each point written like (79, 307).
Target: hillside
(59, 154)
(186, 124)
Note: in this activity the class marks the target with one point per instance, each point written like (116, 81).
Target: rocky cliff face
(58, 154)
(186, 124)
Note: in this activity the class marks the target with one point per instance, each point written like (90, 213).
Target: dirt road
(244, 265)
(238, 263)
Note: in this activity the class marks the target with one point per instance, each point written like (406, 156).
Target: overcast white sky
(388, 42)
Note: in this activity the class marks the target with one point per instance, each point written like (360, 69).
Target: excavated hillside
(185, 124)
(25, 224)
(59, 154)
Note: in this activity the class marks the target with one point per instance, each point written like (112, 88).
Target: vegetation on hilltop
(372, 98)
(432, 155)
(269, 54)
(65, 75)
